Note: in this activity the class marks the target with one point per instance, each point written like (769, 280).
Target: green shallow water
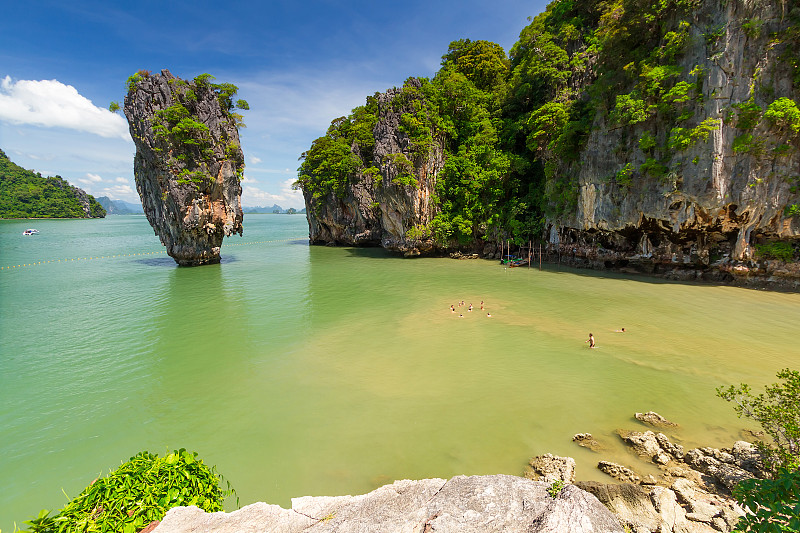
(304, 370)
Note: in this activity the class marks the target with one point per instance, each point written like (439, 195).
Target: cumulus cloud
(286, 197)
(50, 103)
(255, 160)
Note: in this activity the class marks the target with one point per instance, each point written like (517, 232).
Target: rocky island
(189, 163)
(662, 139)
(27, 194)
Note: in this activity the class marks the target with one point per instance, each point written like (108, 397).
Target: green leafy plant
(777, 410)
(555, 488)
(405, 169)
(629, 110)
(792, 210)
(137, 493)
(647, 142)
(748, 114)
(774, 504)
(623, 176)
(784, 114)
(653, 168)
(752, 27)
(776, 250)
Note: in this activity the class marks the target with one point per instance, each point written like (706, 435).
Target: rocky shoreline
(691, 494)
(769, 274)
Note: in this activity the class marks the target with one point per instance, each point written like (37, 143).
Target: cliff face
(711, 201)
(188, 163)
(388, 198)
(657, 138)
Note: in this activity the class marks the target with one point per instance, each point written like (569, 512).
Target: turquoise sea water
(304, 370)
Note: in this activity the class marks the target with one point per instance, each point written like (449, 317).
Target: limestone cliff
(188, 162)
(390, 194)
(655, 137)
(697, 208)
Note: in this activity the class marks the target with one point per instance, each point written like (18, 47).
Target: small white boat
(30, 231)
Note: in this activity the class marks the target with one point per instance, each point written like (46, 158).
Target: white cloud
(254, 160)
(50, 103)
(286, 197)
(93, 177)
(120, 179)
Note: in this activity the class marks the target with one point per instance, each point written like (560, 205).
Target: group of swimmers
(462, 304)
(590, 340)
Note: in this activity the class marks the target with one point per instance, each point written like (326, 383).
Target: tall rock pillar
(188, 162)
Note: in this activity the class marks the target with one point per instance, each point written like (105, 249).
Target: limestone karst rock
(381, 209)
(188, 162)
(674, 154)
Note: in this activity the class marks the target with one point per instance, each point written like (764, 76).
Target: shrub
(647, 142)
(629, 110)
(623, 176)
(752, 27)
(784, 113)
(777, 409)
(748, 114)
(776, 250)
(137, 493)
(774, 503)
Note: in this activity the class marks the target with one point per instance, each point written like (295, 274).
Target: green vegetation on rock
(512, 129)
(140, 491)
(26, 194)
(180, 131)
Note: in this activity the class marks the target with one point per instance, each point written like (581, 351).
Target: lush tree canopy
(512, 127)
(25, 194)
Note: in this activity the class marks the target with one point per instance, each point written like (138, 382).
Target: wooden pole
(530, 251)
(540, 256)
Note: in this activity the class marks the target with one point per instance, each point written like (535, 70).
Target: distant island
(27, 194)
(274, 210)
(120, 207)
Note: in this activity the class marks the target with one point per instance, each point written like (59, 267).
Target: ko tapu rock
(189, 163)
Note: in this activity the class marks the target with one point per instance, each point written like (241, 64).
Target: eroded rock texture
(380, 210)
(702, 214)
(188, 163)
(463, 504)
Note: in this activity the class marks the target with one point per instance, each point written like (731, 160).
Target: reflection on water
(312, 370)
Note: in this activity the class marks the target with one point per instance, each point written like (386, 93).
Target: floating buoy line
(159, 252)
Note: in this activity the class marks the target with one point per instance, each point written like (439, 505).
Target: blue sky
(298, 64)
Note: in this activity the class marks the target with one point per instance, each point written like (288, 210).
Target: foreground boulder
(462, 504)
(188, 162)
